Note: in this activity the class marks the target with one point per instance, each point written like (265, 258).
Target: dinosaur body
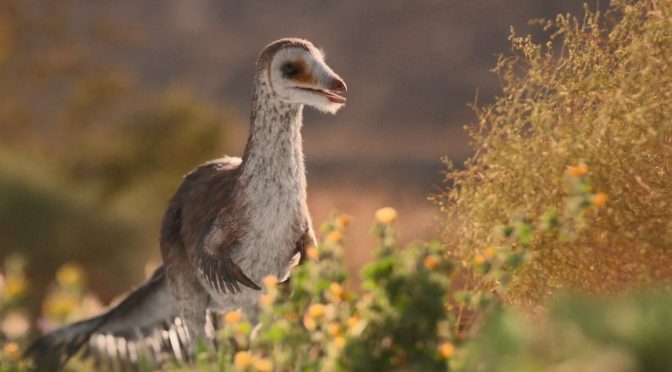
(232, 222)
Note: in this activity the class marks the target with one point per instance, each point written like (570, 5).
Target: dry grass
(604, 101)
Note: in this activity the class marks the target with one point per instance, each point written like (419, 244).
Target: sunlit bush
(594, 102)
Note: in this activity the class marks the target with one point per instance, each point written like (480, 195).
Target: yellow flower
(479, 259)
(69, 275)
(59, 305)
(447, 350)
(600, 199)
(386, 215)
(262, 365)
(242, 359)
(270, 281)
(490, 252)
(336, 290)
(316, 311)
(334, 329)
(15, 286)
(309, 323)
(339, 342)
(578, 170)
(431, 262)
(233, 317)
(335, 236)
(312, 253)
(266, 300)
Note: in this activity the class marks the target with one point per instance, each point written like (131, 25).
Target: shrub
(578, 334)
(403, 319)
(594, 101)
(398, 322)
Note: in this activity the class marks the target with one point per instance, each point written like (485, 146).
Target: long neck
(273, 162)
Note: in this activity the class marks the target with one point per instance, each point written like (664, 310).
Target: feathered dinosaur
(231, 222)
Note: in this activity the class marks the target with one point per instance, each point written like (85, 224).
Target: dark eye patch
(290, 69)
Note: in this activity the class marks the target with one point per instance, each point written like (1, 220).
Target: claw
(223, 275)
(243, 279)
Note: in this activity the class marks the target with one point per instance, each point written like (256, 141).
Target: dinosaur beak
(334, 88)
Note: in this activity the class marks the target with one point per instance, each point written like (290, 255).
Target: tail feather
(144, 326)
(51, 351)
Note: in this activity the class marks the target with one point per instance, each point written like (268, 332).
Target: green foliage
(152, 148)
(403, 319)
(45, 221)
(594, 99)
(578, 334)
(398, 322)
(89, 155)
(405, 310)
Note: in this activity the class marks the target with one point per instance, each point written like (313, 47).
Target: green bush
(42, 219)
(399, 320)
(594, 100)
(578, 334)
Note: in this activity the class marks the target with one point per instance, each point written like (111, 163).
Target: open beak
(335, 87)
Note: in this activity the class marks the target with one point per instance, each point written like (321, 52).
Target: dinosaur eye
(289, 69)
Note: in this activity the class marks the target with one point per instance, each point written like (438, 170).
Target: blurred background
(104, 105)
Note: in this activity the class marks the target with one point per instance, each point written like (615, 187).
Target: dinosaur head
(297, 73)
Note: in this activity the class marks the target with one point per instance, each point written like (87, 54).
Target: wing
(210, 224)
(213, 257)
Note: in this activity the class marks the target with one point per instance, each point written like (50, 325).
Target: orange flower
(270, 281)
(386, 215)
(266, 300)
(600, 199)
(233, 317)
(335, 236)
(447, 350)
(12, 350)
(431, 262)
(490, 252)
(353, 321)
(309, 323)
(242, 359)
(312, 253)
(10, 347)
(316, 311)
(479, 259)
(578, 170)
(262, 365)
(334, 329)
(344, 220)
(336, 290)
(339, 342)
